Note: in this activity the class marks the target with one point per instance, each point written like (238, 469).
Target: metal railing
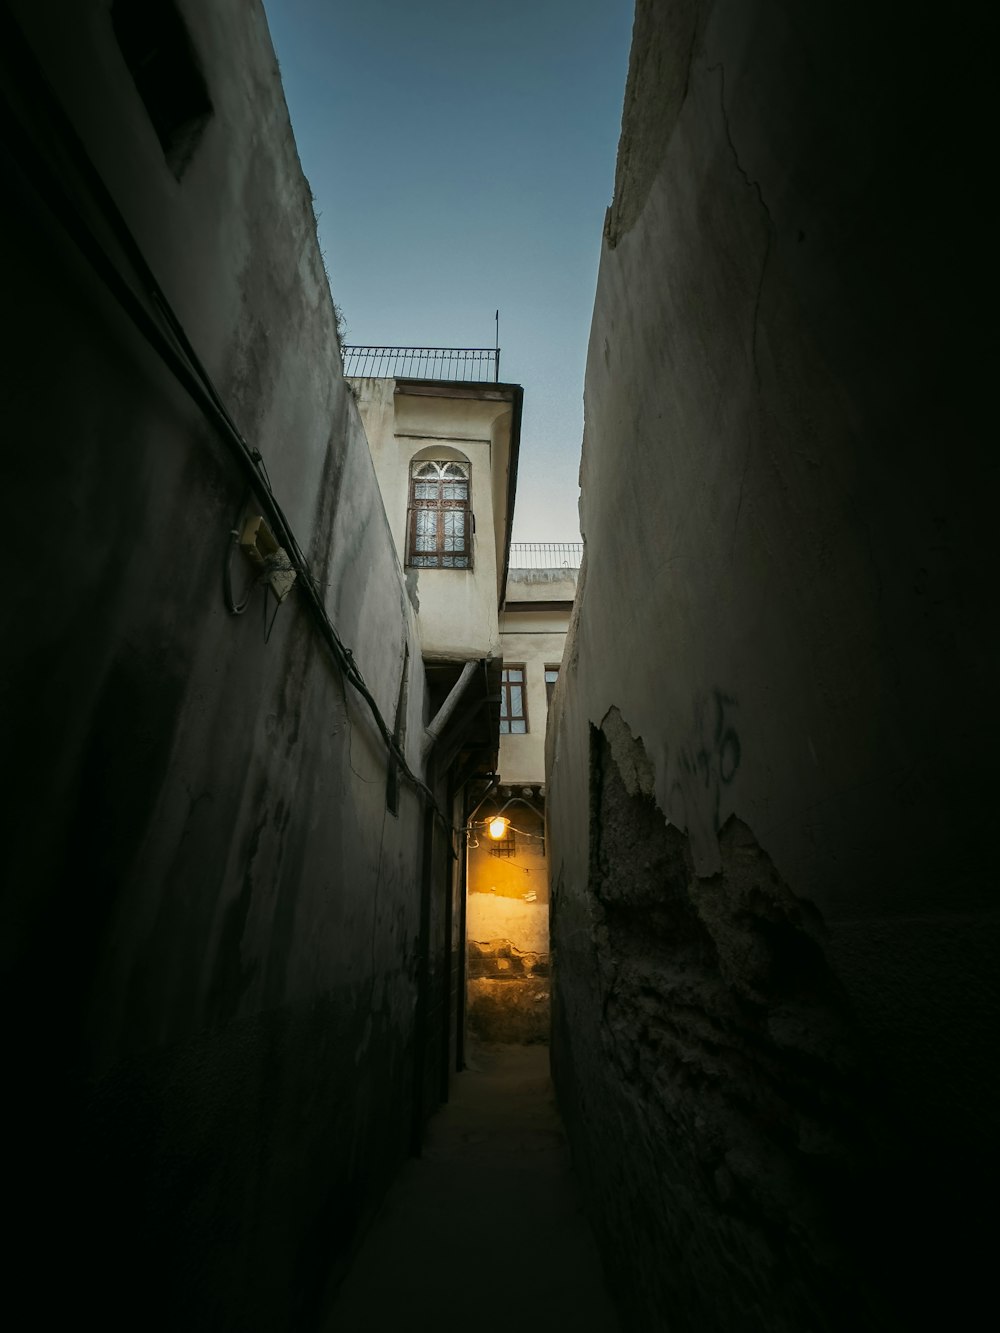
(545, 555)
(474, 365)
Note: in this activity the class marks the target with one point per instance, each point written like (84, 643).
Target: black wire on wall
(171, 342)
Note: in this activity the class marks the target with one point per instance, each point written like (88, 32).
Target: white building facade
(445, 455)
(508, 875)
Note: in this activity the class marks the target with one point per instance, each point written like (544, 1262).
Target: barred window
(513, 705)
(439, 530)
(503, 847)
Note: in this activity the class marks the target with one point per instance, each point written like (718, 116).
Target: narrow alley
(339, 804)
(487, 1221)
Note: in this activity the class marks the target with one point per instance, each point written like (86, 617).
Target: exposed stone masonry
(508, 992)
(729, 1068)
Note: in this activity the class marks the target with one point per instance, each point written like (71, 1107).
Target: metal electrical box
(264, 553)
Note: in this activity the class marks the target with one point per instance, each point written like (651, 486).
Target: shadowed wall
(213, 923)
(775, 951)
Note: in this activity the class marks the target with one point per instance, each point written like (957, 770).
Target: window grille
(503, 847)
(440, 517)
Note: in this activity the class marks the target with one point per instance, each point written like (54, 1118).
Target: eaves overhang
(512, 607)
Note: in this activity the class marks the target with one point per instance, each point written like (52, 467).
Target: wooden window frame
(505, 714)
(441, 556)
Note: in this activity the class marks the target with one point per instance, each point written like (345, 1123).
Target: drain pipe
(437, 724)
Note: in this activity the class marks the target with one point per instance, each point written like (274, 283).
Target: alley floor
(484, 1232)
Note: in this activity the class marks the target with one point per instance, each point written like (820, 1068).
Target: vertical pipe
(448, 969)
(420, 1018)
(463, 944)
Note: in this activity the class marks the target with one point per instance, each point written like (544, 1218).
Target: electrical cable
(182, 361)
(494, 779)
(232, 606)
(277, 607)
(540, 837)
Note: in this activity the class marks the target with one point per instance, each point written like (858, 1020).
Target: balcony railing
(474, 365)
(545, 555)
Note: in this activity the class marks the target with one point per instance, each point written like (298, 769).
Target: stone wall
(774, 948)
(508, 992)
(212, 922)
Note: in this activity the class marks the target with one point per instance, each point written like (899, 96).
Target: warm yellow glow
(498, 827)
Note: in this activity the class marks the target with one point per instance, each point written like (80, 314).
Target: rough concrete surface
(484, 1231)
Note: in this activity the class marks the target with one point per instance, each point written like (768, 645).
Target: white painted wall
(491, 917)
(456, 608)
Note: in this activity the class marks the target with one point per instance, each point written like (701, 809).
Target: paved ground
(484, 1232)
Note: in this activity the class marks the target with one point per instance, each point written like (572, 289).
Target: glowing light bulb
(498, 827)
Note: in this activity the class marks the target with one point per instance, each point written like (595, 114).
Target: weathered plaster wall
(211, 922)
(771, 712)
(556, 584)
(495, 913)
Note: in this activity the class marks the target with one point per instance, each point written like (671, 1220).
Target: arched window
(439, 527)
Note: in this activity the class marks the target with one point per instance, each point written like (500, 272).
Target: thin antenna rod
(498, 348)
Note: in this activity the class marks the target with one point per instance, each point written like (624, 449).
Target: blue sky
(462, 157)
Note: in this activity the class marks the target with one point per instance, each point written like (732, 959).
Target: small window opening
(551, 676)
(166, 73)
(513, 705)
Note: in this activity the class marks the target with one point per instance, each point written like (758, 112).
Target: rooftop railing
(545, 555)
(473, 365)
